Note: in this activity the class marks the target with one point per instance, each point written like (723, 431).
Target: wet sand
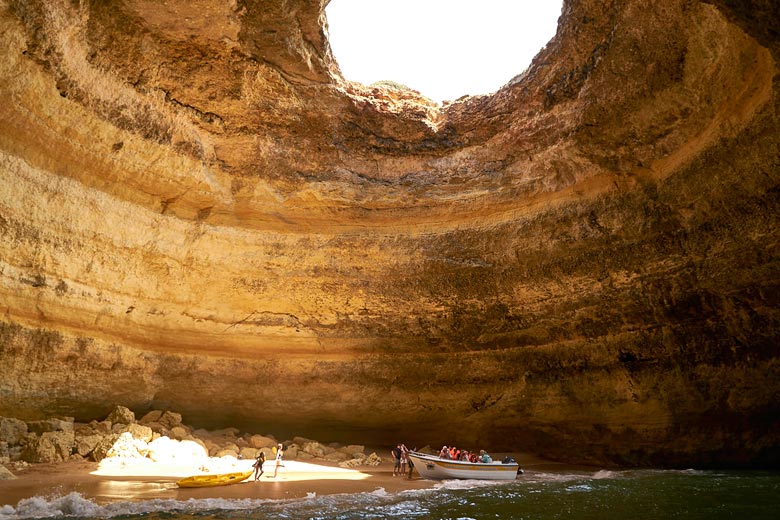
(294, 480)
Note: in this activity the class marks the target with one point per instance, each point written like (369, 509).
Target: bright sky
(442, 48)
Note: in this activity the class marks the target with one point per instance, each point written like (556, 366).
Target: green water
(636, 494)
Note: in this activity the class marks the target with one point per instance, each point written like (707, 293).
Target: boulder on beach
(49, 446)
(373, 460)
(12, 430)
(248, 453)
(86, 443)
(151, 417)
(50, 425)
(227, 452)
(261, 441)
(355, 451)
(315, 449)
(102, 427)
(140, 432)
(170, 419)
(336, 456)
(291, 453)
(179, 433)
(5, 473)
(103, 446)
(121, 415)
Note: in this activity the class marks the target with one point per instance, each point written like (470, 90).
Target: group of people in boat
(455, 453)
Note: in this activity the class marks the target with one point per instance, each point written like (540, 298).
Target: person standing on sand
(404, 459)
(279, 452)
(396, 453)
(258, 465)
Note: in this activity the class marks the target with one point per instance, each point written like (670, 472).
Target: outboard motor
(511, 460)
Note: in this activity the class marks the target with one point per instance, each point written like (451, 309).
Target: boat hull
(434, 468)
(221, 479)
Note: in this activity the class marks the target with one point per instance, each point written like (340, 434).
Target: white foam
(380, 492)
(604, 474)
(74, 504)
(468, 484)
(541, 477)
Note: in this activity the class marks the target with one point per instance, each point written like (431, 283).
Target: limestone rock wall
(199, 213)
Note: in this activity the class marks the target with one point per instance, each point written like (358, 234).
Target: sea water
(631, 494)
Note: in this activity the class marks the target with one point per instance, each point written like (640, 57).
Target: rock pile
(159, 436)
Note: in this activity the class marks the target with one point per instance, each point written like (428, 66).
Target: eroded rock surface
(199, 213)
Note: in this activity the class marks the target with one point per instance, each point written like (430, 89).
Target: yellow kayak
(221, 479)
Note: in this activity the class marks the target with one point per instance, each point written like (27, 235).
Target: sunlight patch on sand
(291, 471)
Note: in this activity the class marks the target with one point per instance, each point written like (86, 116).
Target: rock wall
(199, 213)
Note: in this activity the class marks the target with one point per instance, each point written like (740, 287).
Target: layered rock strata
(199, 213)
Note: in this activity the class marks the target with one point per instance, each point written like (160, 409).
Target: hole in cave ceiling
(442, 48)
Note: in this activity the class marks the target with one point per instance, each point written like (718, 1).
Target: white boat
(434, 468)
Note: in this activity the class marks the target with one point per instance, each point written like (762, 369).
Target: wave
(545, 478)
(604, 474)
(75, 505)
(465, 484)
(374, 504)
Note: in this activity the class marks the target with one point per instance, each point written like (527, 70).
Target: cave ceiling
(199, 213)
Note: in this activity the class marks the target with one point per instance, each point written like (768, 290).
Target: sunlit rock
(127, 446)
(85, 444)
(48, 446)
(121, 415)
(5, 474)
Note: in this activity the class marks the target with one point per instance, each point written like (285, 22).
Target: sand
(116, 481)
(103, 485)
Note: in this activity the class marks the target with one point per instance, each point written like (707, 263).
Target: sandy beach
(117, 483)
(132, 481)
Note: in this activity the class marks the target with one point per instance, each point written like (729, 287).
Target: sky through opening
(442, 48)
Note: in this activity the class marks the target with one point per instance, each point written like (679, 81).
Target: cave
(199, 213)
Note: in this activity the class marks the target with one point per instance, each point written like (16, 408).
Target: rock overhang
(234, 215)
